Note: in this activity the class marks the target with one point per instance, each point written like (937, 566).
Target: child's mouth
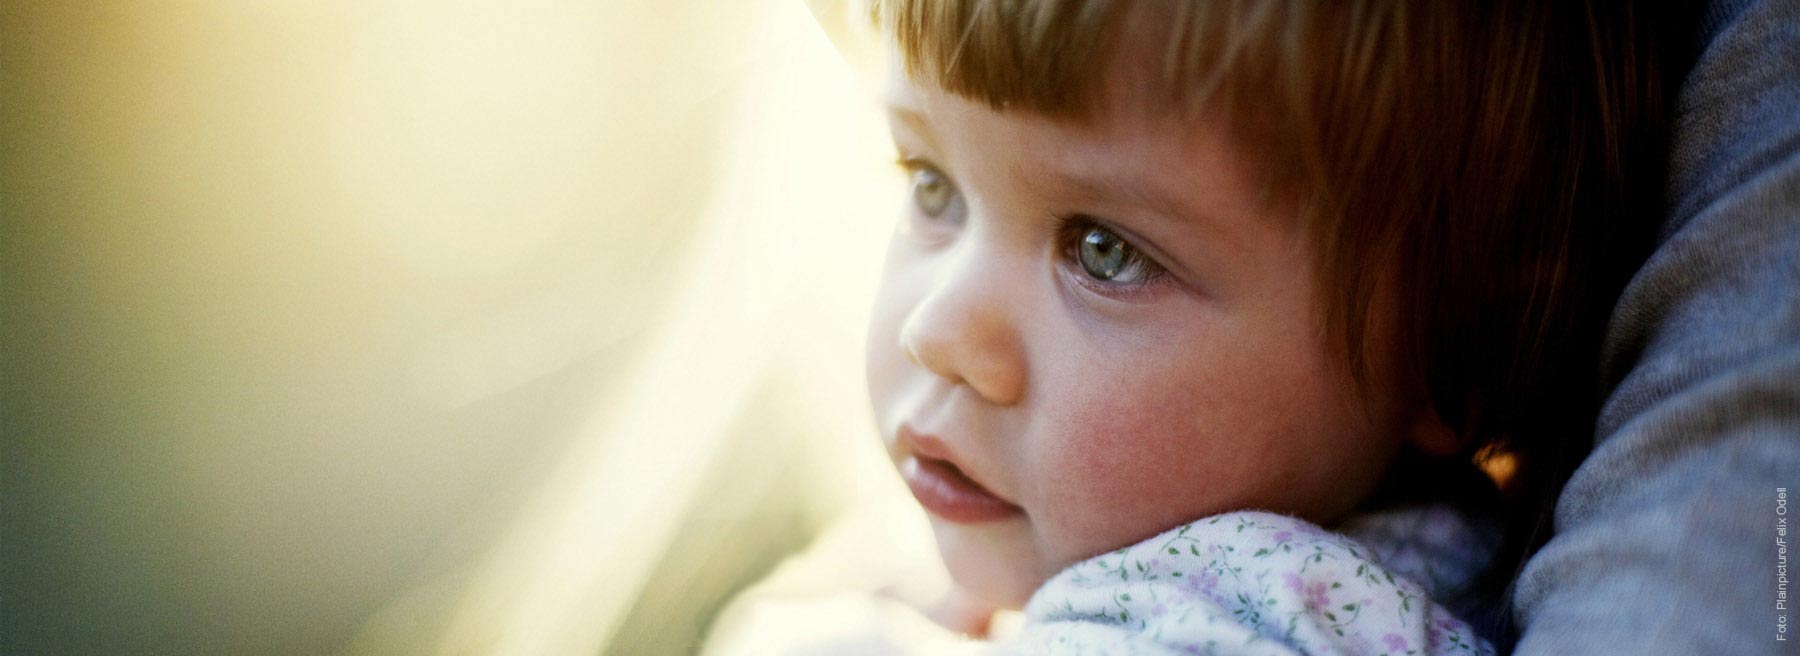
(946, 492)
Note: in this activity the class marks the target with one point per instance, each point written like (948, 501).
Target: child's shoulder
(1245, 578)
(1441, 546)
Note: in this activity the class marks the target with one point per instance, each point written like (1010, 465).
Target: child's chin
(990, 563)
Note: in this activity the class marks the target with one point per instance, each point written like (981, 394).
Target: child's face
(1089, 333)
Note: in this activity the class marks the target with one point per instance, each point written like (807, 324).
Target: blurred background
(427, 327)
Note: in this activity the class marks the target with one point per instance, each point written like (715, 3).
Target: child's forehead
(940, 118)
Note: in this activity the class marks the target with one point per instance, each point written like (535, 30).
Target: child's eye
(932, 192)
(1107, 257)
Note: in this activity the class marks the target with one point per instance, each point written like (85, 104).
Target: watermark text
(1781, 565)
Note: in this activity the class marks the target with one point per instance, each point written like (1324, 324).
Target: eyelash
(1070, 230)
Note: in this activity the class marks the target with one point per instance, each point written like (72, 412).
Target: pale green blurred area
(423, 327)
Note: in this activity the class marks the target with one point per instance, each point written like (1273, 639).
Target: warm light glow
(405, 327)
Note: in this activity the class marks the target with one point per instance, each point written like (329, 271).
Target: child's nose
(965, 328)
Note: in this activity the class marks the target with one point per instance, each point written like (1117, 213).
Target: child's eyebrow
(900, 112)
(1148, 196)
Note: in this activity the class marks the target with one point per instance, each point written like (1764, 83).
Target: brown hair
(1493, 156)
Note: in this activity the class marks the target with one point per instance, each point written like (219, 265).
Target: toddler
(1180, 283)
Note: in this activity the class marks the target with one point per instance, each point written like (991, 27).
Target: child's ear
(1430, 435)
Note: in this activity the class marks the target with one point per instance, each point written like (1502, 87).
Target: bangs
(1049, 56)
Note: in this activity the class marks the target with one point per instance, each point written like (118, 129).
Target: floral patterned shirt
(1262, 583)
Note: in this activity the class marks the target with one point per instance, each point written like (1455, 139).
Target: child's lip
(948, 493)
(942, 487)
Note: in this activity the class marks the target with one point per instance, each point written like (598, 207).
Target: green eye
(931, 191)
(1107, 257)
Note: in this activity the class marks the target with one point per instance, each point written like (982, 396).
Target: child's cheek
(1121, 469)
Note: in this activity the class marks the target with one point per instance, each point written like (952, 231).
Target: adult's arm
(1666, 535)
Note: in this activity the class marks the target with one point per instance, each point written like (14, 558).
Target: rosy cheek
(1122, 469)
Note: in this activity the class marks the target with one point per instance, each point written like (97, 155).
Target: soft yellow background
(426, 327)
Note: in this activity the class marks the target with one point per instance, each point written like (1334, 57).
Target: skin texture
(1108, 412)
